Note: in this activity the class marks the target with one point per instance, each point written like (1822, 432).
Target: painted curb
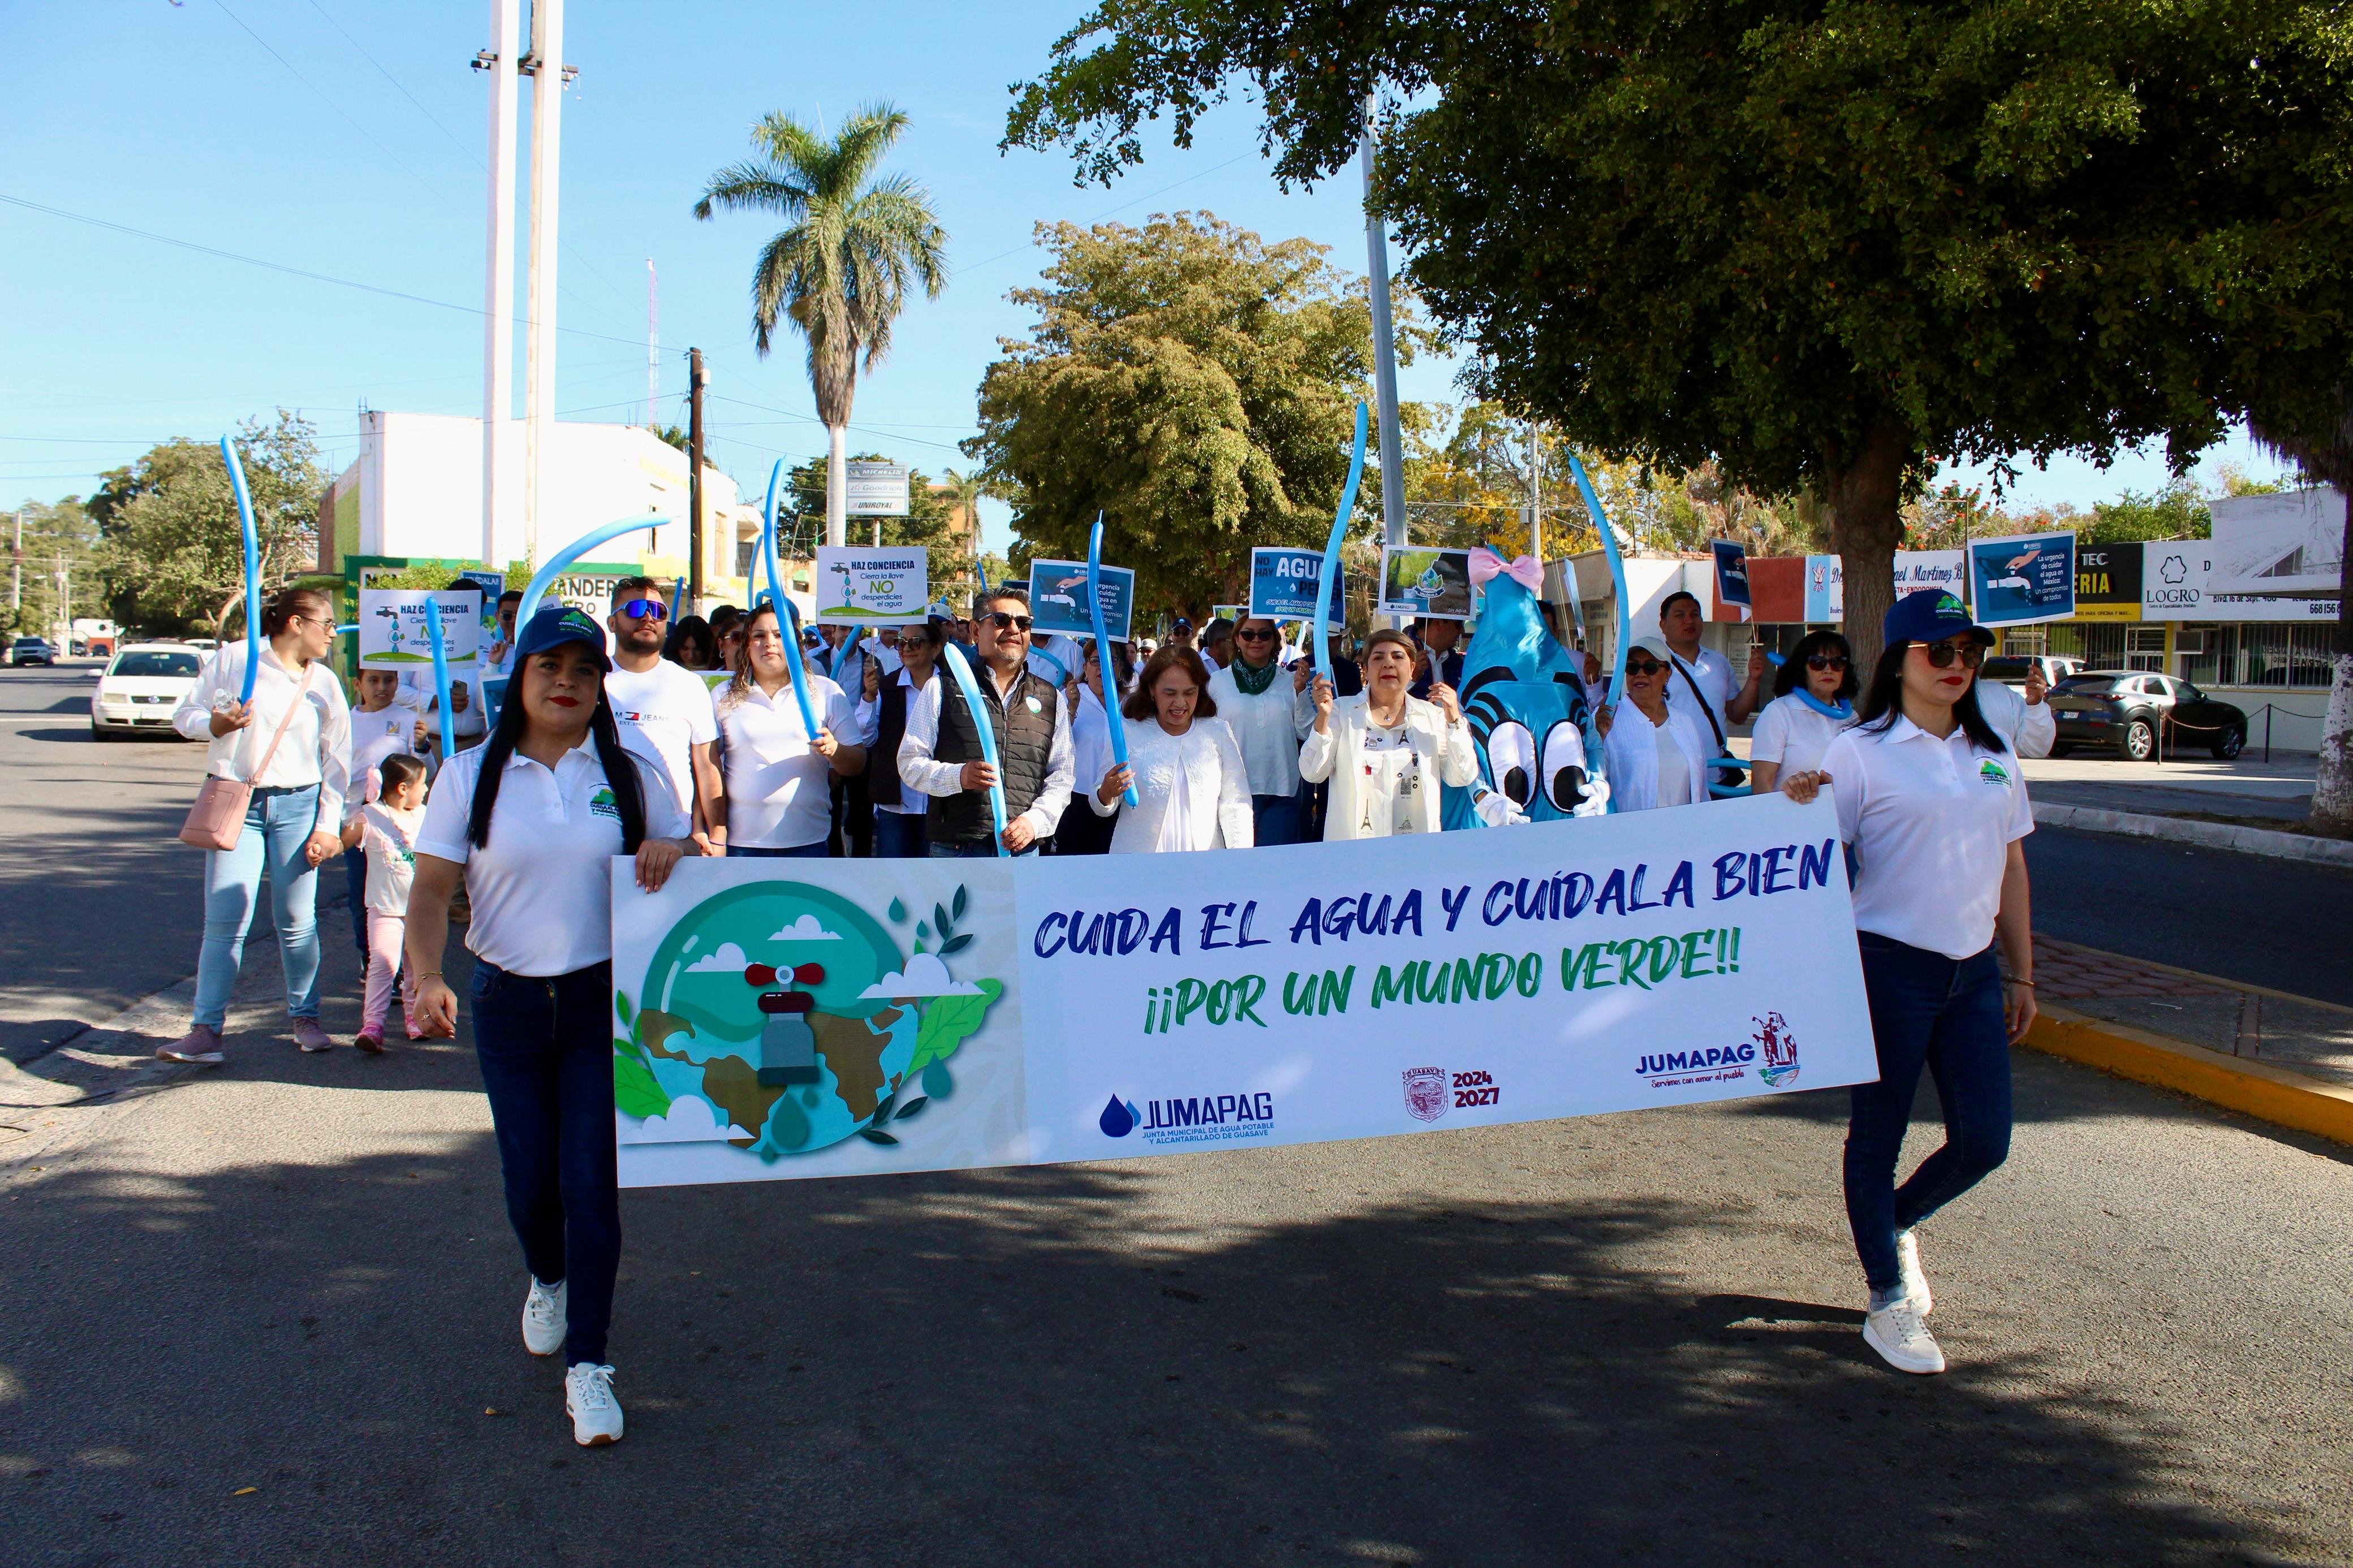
(2258, 1089)
(2207, 835)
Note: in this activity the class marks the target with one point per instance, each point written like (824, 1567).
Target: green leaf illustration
(634, 1091)
(959, 900)
(940, 920)
(628, 1014)
(948, 1020)
(912, 1107)
(873, 1137)
(956, 944)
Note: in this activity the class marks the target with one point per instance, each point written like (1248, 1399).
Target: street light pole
(1385, 392)
(696, 378)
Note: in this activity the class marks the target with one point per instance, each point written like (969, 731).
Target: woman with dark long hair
(1813, 700)
(533, 818)
(692, 645)
(292, 743)
(1931, 800)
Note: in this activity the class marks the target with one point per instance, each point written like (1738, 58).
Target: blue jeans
(1945, 1014)
(898, 835)
(1278, 819)
(546, 1047)
(276, 825)
(972, 851)
(816, 851)
(355, 878)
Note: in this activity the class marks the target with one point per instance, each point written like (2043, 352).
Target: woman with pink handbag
(273, 795)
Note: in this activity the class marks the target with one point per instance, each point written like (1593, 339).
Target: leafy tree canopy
(173, 548)
(1824, 244)
(1195, 385)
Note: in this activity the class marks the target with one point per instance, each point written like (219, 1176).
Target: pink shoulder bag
(218, 818)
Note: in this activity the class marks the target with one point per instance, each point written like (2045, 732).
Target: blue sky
(347, 140)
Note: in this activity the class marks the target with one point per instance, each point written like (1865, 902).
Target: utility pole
(16, 571)
(548, 75)
(1384, 392)
(696, 378)
(503, 60)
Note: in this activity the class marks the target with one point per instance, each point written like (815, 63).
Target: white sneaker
(544, 1319)
(1902, 1340)
(588, 1399)
(1915, 1283)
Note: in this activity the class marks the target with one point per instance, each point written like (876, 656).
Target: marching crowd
(660, 740)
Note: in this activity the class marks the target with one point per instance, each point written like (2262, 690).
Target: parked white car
(142, 684)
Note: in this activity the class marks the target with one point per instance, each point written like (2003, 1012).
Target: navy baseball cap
(1931, 614)
(553, 624)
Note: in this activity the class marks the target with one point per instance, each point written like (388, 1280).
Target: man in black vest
(941, 753)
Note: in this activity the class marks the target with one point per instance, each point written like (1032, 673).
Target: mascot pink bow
(1486, 567)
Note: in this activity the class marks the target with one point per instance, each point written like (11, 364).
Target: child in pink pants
(385, 833)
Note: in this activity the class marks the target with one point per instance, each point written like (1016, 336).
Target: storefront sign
(874, 490)
(867, 1017)
(1825, 590)
(1919, 570)
(2108, 581)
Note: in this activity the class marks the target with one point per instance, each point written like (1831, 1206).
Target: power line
(330, 103)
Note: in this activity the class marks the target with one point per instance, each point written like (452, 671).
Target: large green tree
(1193, 383)
(842, 269)
(54, 581)
(1824, 244)
(172, 545)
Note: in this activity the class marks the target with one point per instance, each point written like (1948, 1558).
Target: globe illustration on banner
(788, 1019)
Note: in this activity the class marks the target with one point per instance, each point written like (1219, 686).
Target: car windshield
(154, 662)
(2005, 669)
(2091, 685)
(30, 642)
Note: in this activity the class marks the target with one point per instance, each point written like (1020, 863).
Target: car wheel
(98, 732)
(2139, 742)
(2231, 744)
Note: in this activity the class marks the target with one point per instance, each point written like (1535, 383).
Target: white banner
(843, 1017)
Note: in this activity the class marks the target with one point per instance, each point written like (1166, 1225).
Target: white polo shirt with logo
(1932, 822)
(664, 713)
(779, 793)
(542, 889)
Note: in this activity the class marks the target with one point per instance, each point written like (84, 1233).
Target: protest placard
(1283, 583)
(392, 633)
(860, 586)
(1057, 600)
(1432, 584)
(847, 1017)
(2022, 579)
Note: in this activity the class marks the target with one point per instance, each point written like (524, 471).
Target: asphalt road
(1628, 1338)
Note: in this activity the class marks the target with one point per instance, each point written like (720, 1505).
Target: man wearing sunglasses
(664, 709)
(941, 753)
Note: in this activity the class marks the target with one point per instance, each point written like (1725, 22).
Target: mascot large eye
(1512, 759)
(1564, 765)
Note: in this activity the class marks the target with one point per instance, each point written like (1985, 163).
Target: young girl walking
(384, 831)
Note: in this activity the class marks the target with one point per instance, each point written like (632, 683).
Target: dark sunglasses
(1826, 661)
(1647, 667)
(1000, 618)
(1266, 636)
(1942, 654)
(645, 609)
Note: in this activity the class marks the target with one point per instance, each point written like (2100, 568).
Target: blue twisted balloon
(978, 707)
(252, 566)
(788, 622)
(1321, 631)
(494, 691)
(1102, 653)
(441, 678)
(768, 534)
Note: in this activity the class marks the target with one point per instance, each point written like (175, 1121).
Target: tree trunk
(837, 515)
(1866, 497)
(2332, 789)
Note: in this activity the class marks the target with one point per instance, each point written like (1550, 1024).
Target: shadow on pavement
(1003, 1368)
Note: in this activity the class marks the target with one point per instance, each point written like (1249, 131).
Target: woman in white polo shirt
(1931, 800)
(1813, 700)
(779, 777)
(533, 818)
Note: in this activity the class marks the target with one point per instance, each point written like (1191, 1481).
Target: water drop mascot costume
(1540, 759)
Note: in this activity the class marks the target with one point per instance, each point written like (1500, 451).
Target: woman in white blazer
(1192, 791)
(1656, 754)
(1385, 752)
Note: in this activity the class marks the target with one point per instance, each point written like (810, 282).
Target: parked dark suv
(2125, 709)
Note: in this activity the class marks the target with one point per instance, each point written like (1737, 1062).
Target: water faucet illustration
(788, 1046)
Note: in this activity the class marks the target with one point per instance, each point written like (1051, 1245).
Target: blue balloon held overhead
(1118, 1120)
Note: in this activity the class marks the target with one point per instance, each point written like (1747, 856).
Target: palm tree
(841, 270)
(2327, 454)
(962, 491)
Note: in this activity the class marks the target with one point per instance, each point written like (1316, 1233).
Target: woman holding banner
(1931, 801)
(1657, 755)
(292, 743)
(533, 818)
(777, 775)
(1191, 790)
(1379, 749)
(1813, 700)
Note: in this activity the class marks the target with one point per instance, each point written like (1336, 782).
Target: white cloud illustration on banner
(727, 955)
(806, 928)
(688, 1120)
(925, 975)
